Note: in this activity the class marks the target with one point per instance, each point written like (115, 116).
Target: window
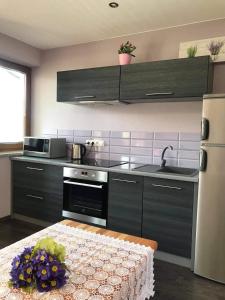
(14, 105)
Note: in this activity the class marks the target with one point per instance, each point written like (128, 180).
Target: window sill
(10, 153)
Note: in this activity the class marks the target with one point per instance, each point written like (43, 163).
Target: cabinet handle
(124, 180)
(83, 184)
(84, 97)
(167, 186)
(33, 196)
(36, 169)
(160, 94)
(86, 207)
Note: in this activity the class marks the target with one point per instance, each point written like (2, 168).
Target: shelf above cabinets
(185, 79)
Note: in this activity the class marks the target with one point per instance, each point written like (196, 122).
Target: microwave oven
(44, 147)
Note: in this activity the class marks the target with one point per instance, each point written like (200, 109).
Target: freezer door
(213, 121)
(210, 228)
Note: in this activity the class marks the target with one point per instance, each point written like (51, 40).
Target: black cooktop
(97, 162)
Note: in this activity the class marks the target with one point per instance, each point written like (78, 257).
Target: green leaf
(51, 247)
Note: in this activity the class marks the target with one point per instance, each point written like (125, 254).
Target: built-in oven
(85, 195)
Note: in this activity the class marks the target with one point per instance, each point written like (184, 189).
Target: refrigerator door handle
(203, 160)
(205, 129)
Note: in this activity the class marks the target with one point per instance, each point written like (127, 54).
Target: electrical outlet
(95, 142)
(89, 142)
(99, 143)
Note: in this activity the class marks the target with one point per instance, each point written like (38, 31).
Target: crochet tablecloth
(100, 267)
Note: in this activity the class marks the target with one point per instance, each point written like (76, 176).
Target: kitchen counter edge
(124, 169)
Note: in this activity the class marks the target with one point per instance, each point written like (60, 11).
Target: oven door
(83, 197)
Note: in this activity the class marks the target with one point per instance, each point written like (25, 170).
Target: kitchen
(137, 133)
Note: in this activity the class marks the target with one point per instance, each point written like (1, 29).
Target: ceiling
(49, 24)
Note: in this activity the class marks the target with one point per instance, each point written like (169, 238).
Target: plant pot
(125, 58)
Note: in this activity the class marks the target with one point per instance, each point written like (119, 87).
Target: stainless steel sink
(167, 170)
(177, 170)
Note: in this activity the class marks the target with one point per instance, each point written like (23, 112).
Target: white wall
(155, 45)
(19, 52)
(5, 186)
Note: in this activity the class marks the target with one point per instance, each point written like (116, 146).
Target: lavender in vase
(214, 48)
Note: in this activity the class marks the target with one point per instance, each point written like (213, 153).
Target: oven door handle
(83, 184)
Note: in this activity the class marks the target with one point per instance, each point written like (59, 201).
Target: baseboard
(174, 259)
(5, 218)
(31, 220)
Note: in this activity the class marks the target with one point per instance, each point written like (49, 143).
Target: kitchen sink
(167, 170)
(177, 170)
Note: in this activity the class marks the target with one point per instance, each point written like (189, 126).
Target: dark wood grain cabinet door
(125, 203)
(37, 190)
(175, 80)
(88, 84)
(37, 204)
(168, 213)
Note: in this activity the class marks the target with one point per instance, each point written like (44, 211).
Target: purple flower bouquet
(40, 267)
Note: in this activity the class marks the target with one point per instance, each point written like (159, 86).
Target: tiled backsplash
(137, 146)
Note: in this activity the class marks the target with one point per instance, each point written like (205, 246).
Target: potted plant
(214, 48)
(191, 51)
(125, 53)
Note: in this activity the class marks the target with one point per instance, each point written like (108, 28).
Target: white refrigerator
(210, 226)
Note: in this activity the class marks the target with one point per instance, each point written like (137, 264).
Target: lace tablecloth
(100, 267)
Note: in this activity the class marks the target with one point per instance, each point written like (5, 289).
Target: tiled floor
(172, 282)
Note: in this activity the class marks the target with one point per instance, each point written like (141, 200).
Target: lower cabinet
(37, 190)
(125, 203)
(167, 214)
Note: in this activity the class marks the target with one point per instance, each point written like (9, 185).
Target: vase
(125, 58)
(214, 56)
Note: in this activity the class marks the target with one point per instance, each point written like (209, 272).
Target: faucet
(163, 160)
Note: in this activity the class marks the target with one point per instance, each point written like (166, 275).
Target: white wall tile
(121, 150)
(169, 136)
(141, 143)
(142, 135)
(81, 140)
(188, 154)
(185, 163)
(186, 136)
(100, 133)
(104, 149)
(119, 157)
(120, 142)
(82, 133)
(141, 159)
(141, 151)
(120, 134)
(189, 145)
(66, 132)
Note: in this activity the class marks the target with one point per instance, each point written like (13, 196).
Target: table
(102, 264)
(122, 236)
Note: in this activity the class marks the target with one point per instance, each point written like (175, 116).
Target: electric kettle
(78, 151)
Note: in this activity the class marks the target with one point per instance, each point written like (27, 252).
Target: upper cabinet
(83, 86)
(185, 79)
(175, 80)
